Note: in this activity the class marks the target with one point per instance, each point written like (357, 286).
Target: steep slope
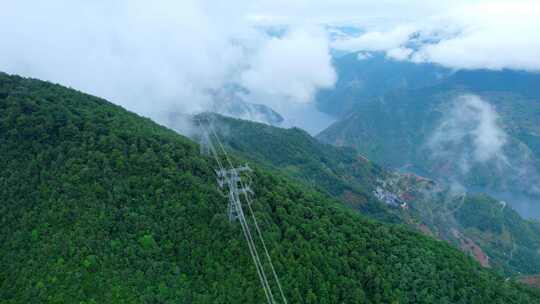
(490, 230)
(478, 224)
(510, 242)
(102, 206)
(492, 136)
(339, 172)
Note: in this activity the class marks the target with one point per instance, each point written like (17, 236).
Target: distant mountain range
(230, 101)
(362, 76)
(436, 122)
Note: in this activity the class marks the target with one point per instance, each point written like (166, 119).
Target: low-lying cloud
(162, 57)
(376, 40)
(469, 134)
(474, 35)
(469, 146)
(294, 66)
(166, 56)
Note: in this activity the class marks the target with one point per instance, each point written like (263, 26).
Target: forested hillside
(428, 131)
(484, 227)
(478, 224)
(100, 205)
(339, 172)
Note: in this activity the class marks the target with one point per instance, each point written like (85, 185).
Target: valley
(270, 152)
(114, 206)
(476, 223)
(478, 129)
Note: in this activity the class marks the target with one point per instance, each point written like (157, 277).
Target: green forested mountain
(362, 76)
(365, 75)
(100, 205)
(478, 224)
(511, 243)
(399, 129)
(488, 229)
(339, 172)
(390, 111)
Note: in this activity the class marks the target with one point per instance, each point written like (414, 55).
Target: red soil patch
(425, 230)
(533, 281)
(471, 247)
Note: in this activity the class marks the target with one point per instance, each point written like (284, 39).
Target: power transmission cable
(234, 198)
(249, 202)
(259, 233)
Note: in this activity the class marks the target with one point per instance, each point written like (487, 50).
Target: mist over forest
(270, 151)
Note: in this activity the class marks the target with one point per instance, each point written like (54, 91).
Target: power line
(231, 179)
(234, 210)
(242, 218)
(266, 250)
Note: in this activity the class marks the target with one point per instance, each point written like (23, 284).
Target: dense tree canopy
(339, 172)
(511, 243)
(102, 206)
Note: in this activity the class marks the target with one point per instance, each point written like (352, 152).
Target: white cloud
(467, 35)
(165, 56)
(494, 35)
(363, 55)
(470, 141)
(149, 58)
(469, 134)
(291, 67)
(399, 53)
(364, 13)
(158, 58)
(375, 40)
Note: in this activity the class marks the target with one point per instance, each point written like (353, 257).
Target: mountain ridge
(101, 205)
(422, 204)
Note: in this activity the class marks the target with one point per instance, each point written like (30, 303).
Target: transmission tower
(230, 182)
(229, 179)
